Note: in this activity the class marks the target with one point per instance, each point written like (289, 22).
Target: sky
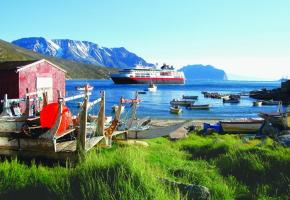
(246, 38)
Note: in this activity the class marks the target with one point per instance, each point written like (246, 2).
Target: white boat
(175, 110)
(247, 125)
(116, 107)
(144, 75)
(152, 87)
(257, 103)
(82, 88)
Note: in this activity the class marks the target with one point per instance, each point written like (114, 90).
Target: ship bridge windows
(165, 73)
(142, 75)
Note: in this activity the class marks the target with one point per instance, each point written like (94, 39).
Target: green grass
(232, 168)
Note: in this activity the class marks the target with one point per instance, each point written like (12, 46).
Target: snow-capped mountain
(82, 51)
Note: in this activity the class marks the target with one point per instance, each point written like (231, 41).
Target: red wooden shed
(36, 75)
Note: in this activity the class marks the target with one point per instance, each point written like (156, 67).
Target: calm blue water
(157, 104)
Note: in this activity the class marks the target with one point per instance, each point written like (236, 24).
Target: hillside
(203, 72)
(75, 70)
(82, 51)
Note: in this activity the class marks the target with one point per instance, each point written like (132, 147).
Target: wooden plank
(64, 133)
(76, 97)
(94, 102)
(26, 144)
(115, 133)
(70, 146)
(66, 146)
(91, 142)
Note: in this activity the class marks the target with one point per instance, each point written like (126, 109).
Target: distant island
(203, 72)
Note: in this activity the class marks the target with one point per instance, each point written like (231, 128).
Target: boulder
(191, 191)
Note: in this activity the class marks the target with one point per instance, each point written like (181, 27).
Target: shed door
(44, 84)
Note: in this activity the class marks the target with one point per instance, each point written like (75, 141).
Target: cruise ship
(146, 75)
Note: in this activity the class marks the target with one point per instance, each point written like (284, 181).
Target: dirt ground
(175, 129)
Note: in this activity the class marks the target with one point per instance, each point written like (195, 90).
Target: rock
(284, 140)
(133, 142)
(194, 192)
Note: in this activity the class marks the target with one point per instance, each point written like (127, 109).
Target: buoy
(48, 117)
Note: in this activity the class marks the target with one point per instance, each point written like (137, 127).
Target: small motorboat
(270, 103)
(116, 107)
(82, 88)
(177, 102)
(175, 109)
(152, 87)
(231, 100)
(257, 103)
(189, 97)
(141, 92)
(200, 106)
(246, 125)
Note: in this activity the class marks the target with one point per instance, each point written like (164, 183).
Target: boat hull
(128, 80)
(175, 110)
(241, 127)
(203, 107)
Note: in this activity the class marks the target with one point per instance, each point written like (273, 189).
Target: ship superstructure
(146, 75)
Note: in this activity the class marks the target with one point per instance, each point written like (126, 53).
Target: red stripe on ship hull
(139, 80)
(157, 79)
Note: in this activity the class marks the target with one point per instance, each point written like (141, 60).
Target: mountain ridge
(82, 51)
(10, 52)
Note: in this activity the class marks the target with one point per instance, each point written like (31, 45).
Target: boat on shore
(145, 75)
(175, 109)
(200, 106)
(247, 125)
(177, 102)
(82, 88)
(189, 97)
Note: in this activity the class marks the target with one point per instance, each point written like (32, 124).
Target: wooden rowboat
(270, 103)
(201, 106)
(248, 125)
(175, 110)
(189, 97)
(176, 102)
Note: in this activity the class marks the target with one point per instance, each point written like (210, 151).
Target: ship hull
(127, 80)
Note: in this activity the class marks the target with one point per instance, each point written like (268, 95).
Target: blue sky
(244, 37)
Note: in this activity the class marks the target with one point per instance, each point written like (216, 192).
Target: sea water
(156, 104)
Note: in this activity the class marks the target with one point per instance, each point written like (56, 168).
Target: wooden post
(27, 109)
(101, 115)
(81, 138)
(45, 100)
(6, 107)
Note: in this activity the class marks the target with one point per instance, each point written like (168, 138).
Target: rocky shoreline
(277, 94)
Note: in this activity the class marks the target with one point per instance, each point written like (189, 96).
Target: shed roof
(20, 65)
(13, 65)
